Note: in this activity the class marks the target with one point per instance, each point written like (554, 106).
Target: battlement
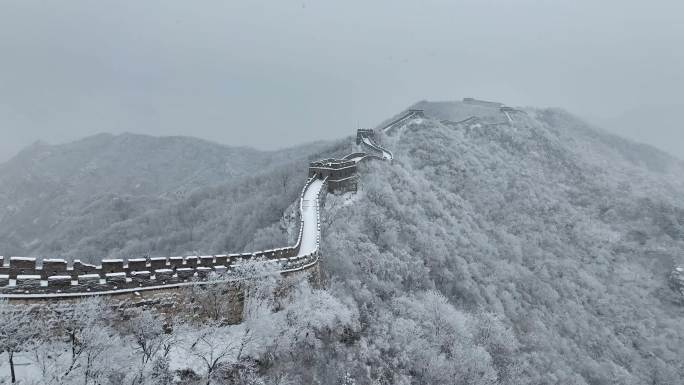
(335, 164)
(340, 174)
(116, 275)
(28, 278)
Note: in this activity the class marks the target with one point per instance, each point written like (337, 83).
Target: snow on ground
(310, 217)
(25, 369)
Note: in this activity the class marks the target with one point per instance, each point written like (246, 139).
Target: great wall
(28, 279)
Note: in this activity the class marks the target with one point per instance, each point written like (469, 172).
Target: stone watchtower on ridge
(341, 174)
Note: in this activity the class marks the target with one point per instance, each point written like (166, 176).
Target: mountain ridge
(553, 246)
(519, 247)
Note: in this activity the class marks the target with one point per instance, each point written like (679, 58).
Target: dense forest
(548, 243)
(534, 252)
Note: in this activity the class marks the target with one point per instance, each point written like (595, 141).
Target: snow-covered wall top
(22, 278)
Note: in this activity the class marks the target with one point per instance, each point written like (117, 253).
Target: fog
(270, 74)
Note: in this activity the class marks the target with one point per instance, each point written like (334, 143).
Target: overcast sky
(275, 73)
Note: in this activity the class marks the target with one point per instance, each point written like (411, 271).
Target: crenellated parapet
(56, 279)
(408, 115)
(341, 174)
(26, 277)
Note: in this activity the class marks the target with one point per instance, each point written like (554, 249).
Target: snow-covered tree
(16, 331)
(152, 340)
(77, 320)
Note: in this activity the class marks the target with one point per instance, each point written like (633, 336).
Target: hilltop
(528, 251)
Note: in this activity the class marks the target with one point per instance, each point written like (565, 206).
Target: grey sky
(275, 73)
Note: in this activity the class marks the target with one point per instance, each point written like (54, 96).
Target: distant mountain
(76, 200)
(127, 164)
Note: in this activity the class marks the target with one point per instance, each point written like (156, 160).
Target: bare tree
(212, 348)
(98, 342)
(284, 178)
(211, 301)
(150, 339)
(77, 321)
(16, 330)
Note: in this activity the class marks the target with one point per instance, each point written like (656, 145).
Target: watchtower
(341, 174)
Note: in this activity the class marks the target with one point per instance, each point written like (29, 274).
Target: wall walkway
(55, 279)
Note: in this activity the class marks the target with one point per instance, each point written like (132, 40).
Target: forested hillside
(530, 253)
(133, 195)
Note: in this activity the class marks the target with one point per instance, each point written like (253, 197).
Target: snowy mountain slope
(534, 252)
(558, 236)
(134, 195)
